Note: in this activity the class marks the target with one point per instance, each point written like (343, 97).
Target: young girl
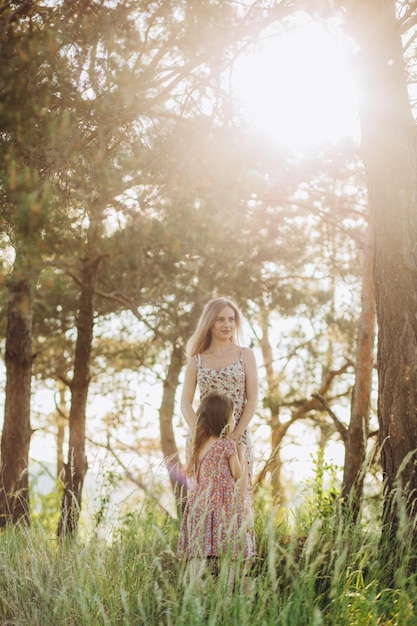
(213, 521)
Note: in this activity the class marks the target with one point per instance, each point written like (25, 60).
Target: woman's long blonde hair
(201, 338)
(213, 420)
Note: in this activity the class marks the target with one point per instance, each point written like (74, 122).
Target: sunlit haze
(297, 87)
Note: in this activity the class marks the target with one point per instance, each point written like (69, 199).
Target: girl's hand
(241, 450)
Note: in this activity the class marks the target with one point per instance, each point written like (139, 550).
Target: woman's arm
(188, 391)
(251, 377)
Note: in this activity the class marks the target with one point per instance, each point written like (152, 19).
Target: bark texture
(15, 441)
(166, 412)
(76, 466)
(274, 465)
(389, 155)
(357, 433)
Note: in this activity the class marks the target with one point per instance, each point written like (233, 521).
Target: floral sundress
(231, 381)
(213, 521)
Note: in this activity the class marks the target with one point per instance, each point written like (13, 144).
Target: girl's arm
(236, 461)
(235, 466)
(188, 391)
(251, 377)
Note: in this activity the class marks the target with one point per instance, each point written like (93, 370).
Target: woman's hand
(236, 435)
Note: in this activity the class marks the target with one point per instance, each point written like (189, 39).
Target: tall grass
(322, 570)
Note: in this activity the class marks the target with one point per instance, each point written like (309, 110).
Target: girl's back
(213, 518)
(212, 470)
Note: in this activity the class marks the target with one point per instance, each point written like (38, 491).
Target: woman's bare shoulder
(192, 363)
(248, 352)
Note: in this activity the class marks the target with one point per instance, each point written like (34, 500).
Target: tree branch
(341, 428)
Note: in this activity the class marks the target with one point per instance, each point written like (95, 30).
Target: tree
(14, 492)
(76, 466)
(390, 158)
(31, 129)
(357, 432)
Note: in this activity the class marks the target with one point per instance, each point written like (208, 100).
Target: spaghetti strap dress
(213, 521)
(231, 381)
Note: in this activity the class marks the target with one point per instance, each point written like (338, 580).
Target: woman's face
(224, 324)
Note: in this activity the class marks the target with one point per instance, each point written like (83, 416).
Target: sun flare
(297, 87)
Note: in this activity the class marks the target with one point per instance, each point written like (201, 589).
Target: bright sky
(297, 88)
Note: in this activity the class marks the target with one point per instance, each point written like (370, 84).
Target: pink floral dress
(231, 381)
(213, 520)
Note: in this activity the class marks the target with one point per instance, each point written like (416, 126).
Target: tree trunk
(76, 466)
(15, 441)
(357, 433)
(274, 465)
(61, 423)
(389, 154)
(166, 412)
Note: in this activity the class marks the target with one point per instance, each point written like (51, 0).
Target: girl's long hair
(213, 420)
(201, 338)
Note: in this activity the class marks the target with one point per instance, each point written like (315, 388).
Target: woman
(217, 363)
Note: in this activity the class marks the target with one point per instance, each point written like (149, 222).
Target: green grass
(320, 571)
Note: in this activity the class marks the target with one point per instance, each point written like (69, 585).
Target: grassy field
(321, 571)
